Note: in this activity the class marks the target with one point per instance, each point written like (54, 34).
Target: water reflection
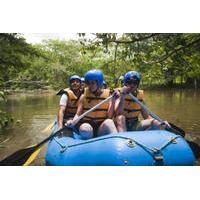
(32, 113)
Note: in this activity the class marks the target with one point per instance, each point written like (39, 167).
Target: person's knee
(148, 124)
(120, 119)
(107, 127)
(86, 131)
(108, 122)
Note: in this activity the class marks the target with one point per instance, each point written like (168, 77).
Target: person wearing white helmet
(69, 100)
(121, 80)
(99, 122)
(105, 86)
(127, 111)
(82, 82)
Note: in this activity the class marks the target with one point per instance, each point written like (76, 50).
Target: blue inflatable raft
(137, 148)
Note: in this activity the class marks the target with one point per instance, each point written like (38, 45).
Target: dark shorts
(94, 124)
(132, 124)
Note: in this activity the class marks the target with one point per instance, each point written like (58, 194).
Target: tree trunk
(115, 64)
(195, 83)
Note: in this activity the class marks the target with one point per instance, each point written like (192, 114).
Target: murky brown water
(34, 112)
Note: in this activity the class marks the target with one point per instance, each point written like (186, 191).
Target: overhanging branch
(173, 52)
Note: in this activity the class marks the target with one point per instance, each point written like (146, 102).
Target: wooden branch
(173, 52)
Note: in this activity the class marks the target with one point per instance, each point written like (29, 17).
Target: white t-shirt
(63, 100)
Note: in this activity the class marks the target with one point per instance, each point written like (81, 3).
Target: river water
(34, 112)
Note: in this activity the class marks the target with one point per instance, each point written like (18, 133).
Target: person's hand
(69, 122)
(116, 95)
(125, 90)
(165, 124)
(162, 125)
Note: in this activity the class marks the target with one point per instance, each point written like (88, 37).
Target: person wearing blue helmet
(69, 100)
(128, 111)
(99, 122)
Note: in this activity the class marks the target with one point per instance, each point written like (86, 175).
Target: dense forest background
(163, 60)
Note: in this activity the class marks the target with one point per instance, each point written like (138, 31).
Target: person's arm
(112, 104)
(145, 115)
(121, 101)
(61, 112)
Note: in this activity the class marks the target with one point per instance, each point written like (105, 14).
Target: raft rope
(155, 152)
(62, 146)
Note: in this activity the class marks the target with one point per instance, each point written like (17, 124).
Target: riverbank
(51, 90)
(28, 91)
(167, 87)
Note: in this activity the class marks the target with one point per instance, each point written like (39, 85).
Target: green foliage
(2, 95)
(5, 119)
(162, 59)
(167, 59)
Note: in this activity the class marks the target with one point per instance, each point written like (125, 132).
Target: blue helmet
(132, 75)
(75, 77)
(94, 75)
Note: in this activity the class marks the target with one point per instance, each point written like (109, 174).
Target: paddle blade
(49, 128)
(18, 158)
(195, 148)
(32, 157)
(177, 130)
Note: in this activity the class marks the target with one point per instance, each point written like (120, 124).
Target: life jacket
(72, 103)
(90, 100)
(131, 108)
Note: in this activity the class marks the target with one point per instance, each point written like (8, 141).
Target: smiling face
(75, 84)
(132, 84)
(92, 85)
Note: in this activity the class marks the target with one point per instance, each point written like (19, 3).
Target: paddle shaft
(21, 156)
(92, 109)
(173, 128)
(145, 108)
(194, 146)
(75, 122)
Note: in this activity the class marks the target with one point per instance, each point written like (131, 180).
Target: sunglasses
(91, 82)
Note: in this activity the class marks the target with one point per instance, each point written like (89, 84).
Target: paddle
(173, 127)
(47, 130)
(20, 157)
(194, 146)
